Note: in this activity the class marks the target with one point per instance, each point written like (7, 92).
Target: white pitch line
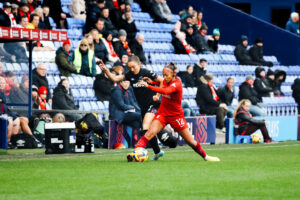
(117, 152)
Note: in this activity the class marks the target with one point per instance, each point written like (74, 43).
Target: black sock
(153, 142)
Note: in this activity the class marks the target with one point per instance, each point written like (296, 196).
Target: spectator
(182, 24)
(280, 76)
(123, 63)
(271, 79)
(63, 99)
(116, 15)
(63, 59)
(121, 46)
(296, 92)
(128, 24)
(187, 110)
(34, 21)
(42, 99)
(123, 106)
(93, 13)
(99, 46)
(77, 9)
(46, 12)
(12, 86)
(199, 20)
(107, 22)
(30, 6)
(6, 17)
(193, 39)
(189, 10)
(247, 91)
(84, 59)
(20, 96)
(23, 22)
(213, 44)
(14, 10)
(246, 124)
(241, 53)
(107, 40)
(180, 44)
(293, 24)
(209, 101)
(203, 30)
(40, 13)
(161, 11)
(23, 11)
(187, 76)
(17, 49)
(103, 86)
(57, 13)
(39, 79)
(136, 47)
(261, 84)
(205, 49)
(90, 40)
(226, 95)
(99, 25)
(256, 53)
(199, 70)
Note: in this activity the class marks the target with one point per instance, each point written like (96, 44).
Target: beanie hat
(122, 32)
(42, 90)
(244, 37)
(216, 31)
(270, 72)
(249, 77)
(258, 40)
(204, 26)
(67, 42)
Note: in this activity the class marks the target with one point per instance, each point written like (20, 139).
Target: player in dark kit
(170, 112)
(148, 100)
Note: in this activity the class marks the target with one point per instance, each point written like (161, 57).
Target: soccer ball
(140, 155)
(256, 138)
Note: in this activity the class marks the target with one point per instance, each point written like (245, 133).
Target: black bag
(24, 141)
(84, 144)
(89, 123)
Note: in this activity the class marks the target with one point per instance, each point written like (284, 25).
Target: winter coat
(55, 9)
(64, 62)
(202, 43)
(261, 84)
(85, 66)
(226, 96)
(248, 92)
(161, 13)
(77, 9)
(129, 27)
(213, 45)
(178, 46)
(243, 119)
(121, 102)
(62, 99)
(197, 73)
(278, 83)
(137, 50)
(4, 19)
(187, 79)
(19, 96)
(102, 87)
(110, 54)
(256, 54)
(204, 98)
(292, 27)
(39, 81)
(92, 14)
(110, 27)
(194, 41)
(119, 48)
(241, 54)
(100, 50)
(296, 90)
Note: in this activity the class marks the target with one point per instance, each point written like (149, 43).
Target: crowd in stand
(111, 38)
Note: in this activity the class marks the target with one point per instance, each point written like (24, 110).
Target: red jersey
(171, 98)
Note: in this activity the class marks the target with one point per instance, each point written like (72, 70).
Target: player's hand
(148, 80)
(141, 82)
(155, 98)
(103, 67)
(63, 15)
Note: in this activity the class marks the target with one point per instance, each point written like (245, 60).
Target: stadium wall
(234, 23)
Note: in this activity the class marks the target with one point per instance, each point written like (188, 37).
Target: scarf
(42, 104)
(116, 4)
(186, 46)
(12, 19)
(111, 48)
(199, 23)
(126, 47)
(213, 91)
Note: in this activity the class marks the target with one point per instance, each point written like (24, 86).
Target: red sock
(142, 142)
(200, 150)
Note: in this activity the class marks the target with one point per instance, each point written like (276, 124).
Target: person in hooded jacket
(261, 84)
(280, 77)
(241, 54)
(256, 53)
(296, 92)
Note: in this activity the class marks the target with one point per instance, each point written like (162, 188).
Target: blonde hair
(241, 103)
(91, 46)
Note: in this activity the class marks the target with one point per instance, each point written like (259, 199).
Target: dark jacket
(92, 15)
(204, 98)
(129, 27)
(64, 62)
(137, 50)
(243, 119)
(292, 27)
(202, 43)
(187, 79)
(178, 46)
(226, 96)
(195, 41)
(278, 82)
(39, 81)
(213, 45)
(62, 99)
(121, 101)
(110, 27)
(261, 84)
(19, 96)
(119, 48)
(242, 55)
(4, 19)
(248, 92)
(85, 68)
(197, 73)
(55, 9)
(296, 91)
(100, 50)
(102, 87)
(256, 54)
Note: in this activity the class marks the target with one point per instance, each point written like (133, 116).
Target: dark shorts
(152, 108)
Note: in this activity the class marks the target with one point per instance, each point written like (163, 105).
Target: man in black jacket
(226, 95)
(261, 84)
(209, 101)
(103, 86)
(39, 79)
(4, 18)
(193, 38)
(241, 53)
(137, 48)
(247, 91)
(187, 77)
(199, 70)
(256, 53)
(128, 24)
(108, 23)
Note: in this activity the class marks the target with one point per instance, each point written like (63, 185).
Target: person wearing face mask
(84, 59)
(261, 84)
(247, 91)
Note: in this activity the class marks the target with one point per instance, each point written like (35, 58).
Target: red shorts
(177, 122)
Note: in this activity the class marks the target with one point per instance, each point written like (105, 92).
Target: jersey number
(180, 122)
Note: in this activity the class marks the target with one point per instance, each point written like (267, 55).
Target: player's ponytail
(172, 66)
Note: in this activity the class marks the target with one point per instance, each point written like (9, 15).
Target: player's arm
(168, 90)
(111, 76)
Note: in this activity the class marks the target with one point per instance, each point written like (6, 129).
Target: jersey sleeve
(150, 74)
(167, 90)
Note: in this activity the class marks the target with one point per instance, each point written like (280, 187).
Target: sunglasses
(83, 45)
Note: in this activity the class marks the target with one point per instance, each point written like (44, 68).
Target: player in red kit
(170, 112)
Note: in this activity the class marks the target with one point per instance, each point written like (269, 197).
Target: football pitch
(247, 171)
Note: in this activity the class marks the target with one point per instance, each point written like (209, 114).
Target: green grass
(245, 172)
